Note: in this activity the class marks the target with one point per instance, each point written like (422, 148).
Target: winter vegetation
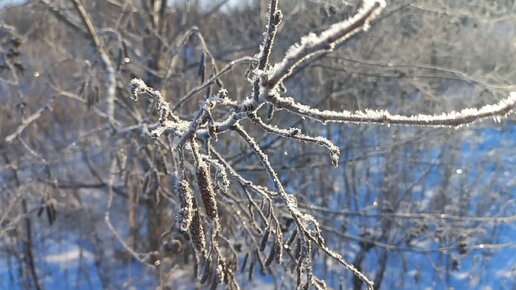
(177, 145)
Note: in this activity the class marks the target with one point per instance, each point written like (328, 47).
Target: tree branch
(104, 57)
(452, 119)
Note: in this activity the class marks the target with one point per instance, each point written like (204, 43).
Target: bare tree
(172, 158)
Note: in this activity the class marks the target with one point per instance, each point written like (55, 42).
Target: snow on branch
(312, 44)
(274, 20)
(306, 224)
(452, 119)
(295, 133)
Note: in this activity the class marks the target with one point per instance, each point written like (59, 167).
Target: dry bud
(277, 17)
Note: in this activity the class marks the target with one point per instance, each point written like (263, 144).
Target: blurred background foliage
(413, 208)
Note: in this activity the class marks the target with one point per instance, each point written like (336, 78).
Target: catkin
(197, 234)
(221, 180)
(207, 192)
(270, 258)
(265, 237)
(186, 211)
(279, 252)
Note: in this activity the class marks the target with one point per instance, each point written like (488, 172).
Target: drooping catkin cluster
(197, 234)
(207, 192)
(204, 183)
(186, 203)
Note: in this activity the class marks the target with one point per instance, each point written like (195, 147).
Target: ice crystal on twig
(451, 119)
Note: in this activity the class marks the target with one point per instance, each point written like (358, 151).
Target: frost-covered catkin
(221, 177)
(137, 87)
(207, 192)
(186, 211)
(197, 234)
(220, 272)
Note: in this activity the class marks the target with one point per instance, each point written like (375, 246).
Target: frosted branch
(275, 17)
(244, 182)
(312, 44)
(295, 133)
(166, 119)
(267, 84)
(452, 119)
(303, 221)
